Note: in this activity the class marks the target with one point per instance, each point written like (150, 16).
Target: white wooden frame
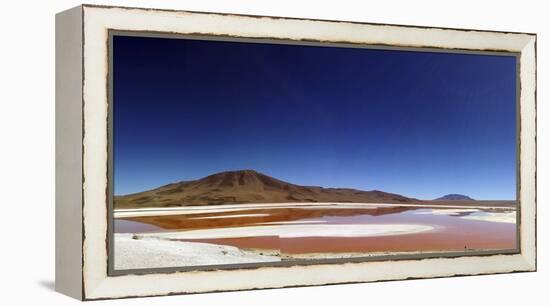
(82, 154)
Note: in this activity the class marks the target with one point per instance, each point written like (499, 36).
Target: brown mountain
(248, 186)
(454, 197)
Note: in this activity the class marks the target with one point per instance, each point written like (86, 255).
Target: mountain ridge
(454, 197)
(248, 186)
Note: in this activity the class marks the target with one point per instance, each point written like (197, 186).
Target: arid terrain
(248, 217)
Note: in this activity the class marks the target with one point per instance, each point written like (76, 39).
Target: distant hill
(248, 186)
(454, 197)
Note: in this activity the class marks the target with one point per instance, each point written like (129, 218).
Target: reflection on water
(451, 229)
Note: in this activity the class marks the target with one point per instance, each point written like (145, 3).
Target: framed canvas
(201, 152)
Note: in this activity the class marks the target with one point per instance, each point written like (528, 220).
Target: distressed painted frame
(83, 164)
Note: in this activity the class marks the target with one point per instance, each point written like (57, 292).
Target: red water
(452, 233)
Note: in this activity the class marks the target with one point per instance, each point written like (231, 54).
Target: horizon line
(319, 186)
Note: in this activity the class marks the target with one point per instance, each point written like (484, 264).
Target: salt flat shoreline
(132, 252)
(138, 252)
(199, 209)
(345, 255)
(296, 231)
(173, 248)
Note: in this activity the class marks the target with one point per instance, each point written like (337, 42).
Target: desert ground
(269, 232)
(244, 216)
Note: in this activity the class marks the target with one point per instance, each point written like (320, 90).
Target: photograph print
(228, 153)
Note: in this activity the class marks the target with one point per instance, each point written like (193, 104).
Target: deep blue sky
(421, 124)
